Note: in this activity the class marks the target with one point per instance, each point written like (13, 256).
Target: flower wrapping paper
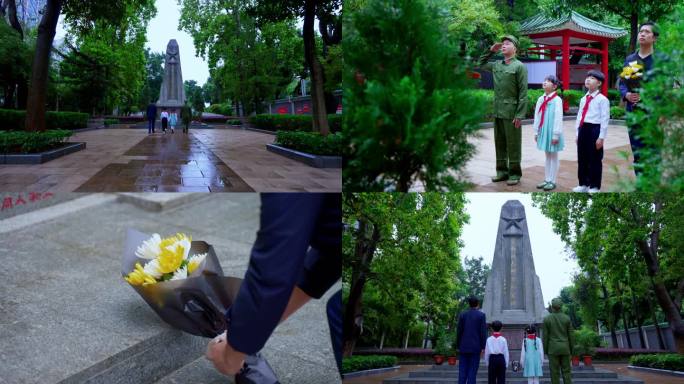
(196, 304)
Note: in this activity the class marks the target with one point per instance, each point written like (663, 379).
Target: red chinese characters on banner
(9, 202)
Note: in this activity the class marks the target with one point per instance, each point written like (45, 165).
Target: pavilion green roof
(573, 21)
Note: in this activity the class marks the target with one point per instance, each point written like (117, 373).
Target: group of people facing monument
(591, 126)
(556, 342)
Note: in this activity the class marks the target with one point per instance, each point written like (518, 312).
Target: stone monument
(513, 294)
(172, 94)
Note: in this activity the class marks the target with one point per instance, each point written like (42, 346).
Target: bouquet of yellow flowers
(632, 74)
(181, 280)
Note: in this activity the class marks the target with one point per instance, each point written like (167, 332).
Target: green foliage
(249, 64)
(671, 362)
(221, 109)
(291, 122)
(153, 79)
(478, 19)
(362, 363)
(476, 274)
(15, 58)
(617, 112)
(14, 120)
(108, 122)
(411, 275)
(532, 96)
(234, 122)
(614, 96)
(661, 115)
(408, 116)
(586, 341)
(573, 96)
(194, 95)
(31, 142)
(311, 142)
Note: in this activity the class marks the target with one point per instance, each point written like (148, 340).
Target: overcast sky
(551, 261)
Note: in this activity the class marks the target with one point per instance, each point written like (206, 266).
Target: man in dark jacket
(297, 255)
(471, 337)
(186, 116)
(151, 117)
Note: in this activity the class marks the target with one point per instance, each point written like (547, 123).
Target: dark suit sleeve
(459, 331)
(483, 332)
(287, 223)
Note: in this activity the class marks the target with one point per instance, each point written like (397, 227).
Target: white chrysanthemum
(195, 262)
(152, 268)
(181, 273)
(150, 248)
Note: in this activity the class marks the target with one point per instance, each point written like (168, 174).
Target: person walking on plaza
(510, 107)
(471, 336)
(186, 117)
(173, 120)
(164, 116)
(558, 342)
(151, 117)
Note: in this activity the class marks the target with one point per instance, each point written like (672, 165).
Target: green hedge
(13, 120)
(234, 122)
(362, 363)
(32, 142)
(672, 362)
(221, 109)
(614, 96)
(292, 122)
(311, 142)
(617, 113)
(108, 122)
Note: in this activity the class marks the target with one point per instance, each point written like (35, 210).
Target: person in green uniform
(558, 343)
(510, 107)
(186, 116)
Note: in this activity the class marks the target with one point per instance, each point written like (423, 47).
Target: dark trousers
(636, 144)
(165, 123)
(496, 373)
(334, 309)
(468, 363)
(150, 126)
(186, 127)
(589, 159)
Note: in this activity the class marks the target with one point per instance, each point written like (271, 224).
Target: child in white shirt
(496, 355)
(591, 128)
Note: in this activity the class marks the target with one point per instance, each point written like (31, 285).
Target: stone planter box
(42, 157)
(307, 158)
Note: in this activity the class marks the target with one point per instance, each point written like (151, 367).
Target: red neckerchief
(531, 337)
(542, 108)
(588, 100)
(496, 334)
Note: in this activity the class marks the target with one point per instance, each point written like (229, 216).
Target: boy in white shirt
(591, 129)
(496, 355)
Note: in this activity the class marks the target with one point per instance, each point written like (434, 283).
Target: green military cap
(512, 39)
(556, 303)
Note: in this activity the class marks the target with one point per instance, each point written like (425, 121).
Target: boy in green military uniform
(510, 107)
(558, 342)
(186, 116)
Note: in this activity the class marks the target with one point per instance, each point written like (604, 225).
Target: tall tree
(632, 233)
(406, 245)
(476, 272)
(267, 10)
(80, 15)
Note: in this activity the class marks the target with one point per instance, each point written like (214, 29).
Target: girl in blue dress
(532, 356)
(548, 125)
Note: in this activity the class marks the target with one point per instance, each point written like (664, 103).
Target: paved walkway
(127, 160)
(482, 166)
(620, 369)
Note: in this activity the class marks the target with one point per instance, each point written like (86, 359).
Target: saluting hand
(496, 47)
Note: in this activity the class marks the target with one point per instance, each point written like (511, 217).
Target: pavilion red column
(565, 69)
(604, 66)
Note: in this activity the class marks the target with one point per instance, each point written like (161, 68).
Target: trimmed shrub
(614, 96)
(669, 361)
(32, 142)
(292, 122)
(362, 363)
(221, 109)
(234, 122)
(573, 96)
(311, 142)
(13, 120)
(617, 113)
(532, 96)
(108, 122)
(622, 354)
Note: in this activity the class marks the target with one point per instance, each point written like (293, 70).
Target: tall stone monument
(172, 93)
(513, 294)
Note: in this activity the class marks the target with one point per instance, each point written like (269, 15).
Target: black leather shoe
(256, 371)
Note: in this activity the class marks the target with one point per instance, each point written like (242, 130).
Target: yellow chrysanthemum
(174, 250)
(139, 277)
(195, 262)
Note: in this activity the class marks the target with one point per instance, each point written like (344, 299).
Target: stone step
(510, 374)
(405, 379)
(545, 366)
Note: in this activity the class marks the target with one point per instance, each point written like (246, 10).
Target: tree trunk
(35, 108)
(625, 325)
(320, 119)
(661, 342)
(425, 336)
(353, 314)
(610, 318)
(382, 339)
(406, 340)
(12, 14)
(639, 320)
(633, 28)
